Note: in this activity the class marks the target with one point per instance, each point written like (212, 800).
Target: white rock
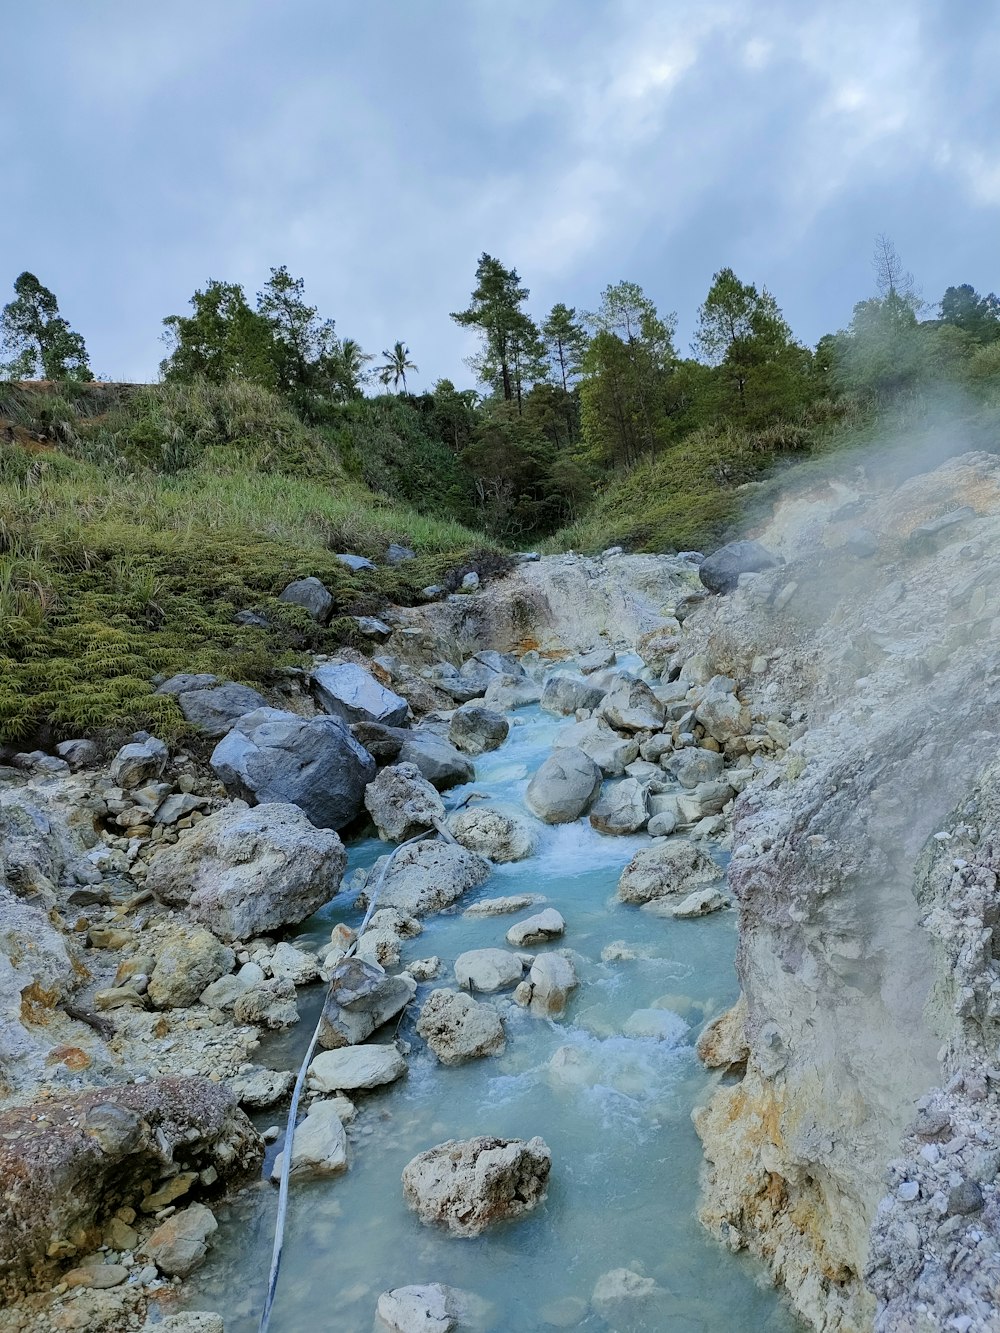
(545, 925)
(699, 903)
(497, 831)
(467, 1185)
(456, 1027)
(352, 1067)
(319, 1146)
(487, 969)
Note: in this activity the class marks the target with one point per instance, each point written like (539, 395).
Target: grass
(135, 524)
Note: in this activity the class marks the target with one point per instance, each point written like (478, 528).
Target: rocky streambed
(606, 757)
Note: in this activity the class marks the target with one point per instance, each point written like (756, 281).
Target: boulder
(67, 1173)
(438, 760)
(623, 1295)
(476, 729)
(180, 1244)
(480, 671)
(428, 877)
(509, 692)
(610, 751)
(548, 985)
(487, 970)
(139, 762)
(720, 711)
(543, 926)
(497, 831)
(243, 872)
(657, 646)
(312, 596)
(382, 743)
(708, 798)
(673, 866)
(564, 786)
(270, 1005)
(515, 902)
(699, 903)
(399, 555)
(190, 1321)
(212, 708)
(621, 808)
(402, 803)
(373, 628)
(360, 998)
(720, 571)
(563, 693)
(348, 691)
(597, 659)
(468, 1185)
(630, 705)
(661, 825)
(353, 1067)
(357, 564)
(692, 766)
(428, 1309)
(319, 1145)
(78, 753)
(723, 1043)
(456, 1027)
(314, 763)
(189, 960)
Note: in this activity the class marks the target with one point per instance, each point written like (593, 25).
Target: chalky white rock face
(468, 1185)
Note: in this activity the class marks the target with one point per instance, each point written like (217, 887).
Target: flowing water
(615, 1111)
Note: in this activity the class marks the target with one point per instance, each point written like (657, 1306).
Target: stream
(615, 1111)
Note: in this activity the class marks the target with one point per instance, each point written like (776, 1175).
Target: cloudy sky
(377, 148)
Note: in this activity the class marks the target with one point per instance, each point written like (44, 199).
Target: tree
(978, 316)
(397, 363)
(510, 352)
(565, 344)
(344, 367)
(223, 339)
(304, 339)
(891, 279)
(39, 338)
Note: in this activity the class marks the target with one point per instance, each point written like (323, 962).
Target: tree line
(561, 399)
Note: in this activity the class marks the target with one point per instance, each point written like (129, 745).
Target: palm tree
(349, 367)
(397, 363)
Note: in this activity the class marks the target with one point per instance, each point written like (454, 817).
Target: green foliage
(512, 353)
(565, 341)
(224, 339)
(40, 340)
(978, 316)
(396, 364)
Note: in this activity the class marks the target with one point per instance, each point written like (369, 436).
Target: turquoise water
(615, 1111)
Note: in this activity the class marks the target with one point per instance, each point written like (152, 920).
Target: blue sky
(377, 148)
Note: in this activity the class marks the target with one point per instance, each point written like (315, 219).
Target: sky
(378, 148)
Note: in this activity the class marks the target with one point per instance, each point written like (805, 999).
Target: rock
(610, 751)
(621, 808)
(353, 1067)
(662, 825)
(356, 563)
(549, 983)
(428, 1309)
(244, 872)
(632, 706)
(672, 867)
(468, 1185)
(470, 581)
(623, 1294)
(349, 692)
(139, 762)
(260, 1088)
(253, 619)
(402, 803)
(564, 786)
(189, 960)
(692, 766)
(65, 1173)
(537, 929)
(657, 646)
(708, 798)
(597, 659)
(720, 712)
(497, 831)
(476, 729)
(190, 1321)
(437, 759)
(563, 693)
(487, 970)
(382, 743)
(177, 806)
(655, 1025)
(505, 693)
(296, 964)
(373, 628)
(456, 1027)
(720, 571)
(860, 542)
(314, 763)
(723, 1043)
(380, 946)
(398, 555)
(180, 1244)
(699, 903)
(515, 902)
(98, 1276)
(361, 997)
(312, 596)
(483, 668)
(965, 1198)
(78, 753)
(270, 1005)
(424, 969)
(212, 706)
(428, 877)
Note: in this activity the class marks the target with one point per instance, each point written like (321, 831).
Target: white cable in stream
(286, 1161)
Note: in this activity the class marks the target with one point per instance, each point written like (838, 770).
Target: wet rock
(547, 989)
(469, 1185)
(189, 959)
(259, 1088)
(499, 832)
(723, 1043)
(475, 729)
(402, 803)
(349, 692)
(631, 705)
(487, 970)
(180, 1244)
(424, 969)
(361, 997)
(456, 1027)
(655, 1025)
(700, 903)
(624, 1294)
(139, 762)
(609, 750)
(564, 786)
(720, 571)
(428, 1309)
(270, 1005)
(243, 872)
(543, 926)
(621, 808)
(190, 1321)
(312, 596)
(563, 693)
(673, 867)
(437, 759)
(428, 877)
(515, 902)
(314, 763)
(353, 1067)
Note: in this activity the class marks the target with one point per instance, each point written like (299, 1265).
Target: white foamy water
(614, 1108)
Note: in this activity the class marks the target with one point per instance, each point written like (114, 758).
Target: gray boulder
(212, 707)
(78, 753)
(428, 877)
(497, 831)
(243, 872)
(426, 1309)
(402, 802)
(487, 969)
(382, 743)
(189, 959)
(356, 563)
(610, 751)
(563, 693)
(361, 997)
(720, 571)
(438, 760)
(564, 786)
(456, 1027)
(673, 866)
(399, 555)
(312, 596)
(351, 693)
(720, 711)
(484, 667)
(632, 706)
(692, 766)
(545, 925)
(621, 808)
(549, 983)
(475, 729)
(139, 762)
(509, 692)
(467, 1185)
(314, 763)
